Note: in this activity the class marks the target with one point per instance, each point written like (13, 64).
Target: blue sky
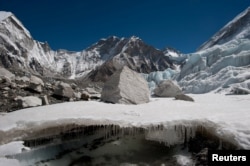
(77, 24)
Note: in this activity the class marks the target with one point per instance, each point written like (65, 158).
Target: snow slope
(227, 117)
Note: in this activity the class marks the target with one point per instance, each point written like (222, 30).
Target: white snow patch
(9, 162)
(12, 148)
(228, 115)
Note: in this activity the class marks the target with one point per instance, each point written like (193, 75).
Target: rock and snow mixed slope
(19, 49)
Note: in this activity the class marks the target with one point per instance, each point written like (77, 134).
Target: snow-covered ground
(227, 116)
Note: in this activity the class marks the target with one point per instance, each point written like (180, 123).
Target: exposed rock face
(126, 87)
(29, 101)
(167, 88)
(36, 84)
(64, 90)
(183, 97)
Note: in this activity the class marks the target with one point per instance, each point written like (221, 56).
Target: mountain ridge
(19, 49)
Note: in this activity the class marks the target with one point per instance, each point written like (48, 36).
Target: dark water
(99, 148)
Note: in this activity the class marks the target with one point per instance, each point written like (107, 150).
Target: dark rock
(85, 96)
(183, 97)
(45, 100)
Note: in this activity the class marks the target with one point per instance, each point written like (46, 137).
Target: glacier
(154, 78)
(219, 68)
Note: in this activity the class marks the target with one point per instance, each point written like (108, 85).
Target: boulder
(64, 90)
(29, 101)
(183, 97)
(6, 73)
(167, 88)
(36, 84)
(125, 87)
(45, 100)
(85, 96)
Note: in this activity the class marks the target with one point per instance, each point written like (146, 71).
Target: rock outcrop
(167, 88)
(126, 87)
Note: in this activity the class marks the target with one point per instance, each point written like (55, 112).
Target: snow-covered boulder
(184, 97)
(36, 84)
(29, 101)
(167, 88)
(64, 90)
(126, 87)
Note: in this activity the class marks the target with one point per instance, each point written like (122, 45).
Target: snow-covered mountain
(19, 49)
(222, 63)
(238, 28)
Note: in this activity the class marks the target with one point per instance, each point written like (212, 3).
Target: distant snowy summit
(238, 28)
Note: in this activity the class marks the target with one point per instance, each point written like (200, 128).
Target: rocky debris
(64, 90)
(167, 88)
(126, 87)
(29, 101)
(36, 84)
(183, 97)
(85, 96)
(49, 89)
